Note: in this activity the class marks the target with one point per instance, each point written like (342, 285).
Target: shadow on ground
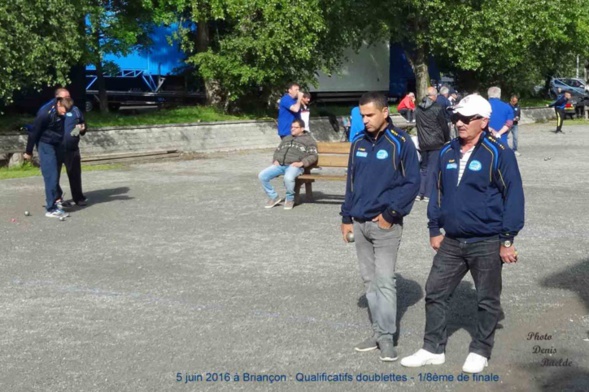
(107, 195)
(409, 293)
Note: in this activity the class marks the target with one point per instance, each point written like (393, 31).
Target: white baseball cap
(473, 105)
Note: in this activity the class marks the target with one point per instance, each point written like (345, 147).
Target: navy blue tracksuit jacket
(383, 177)
(488, 202)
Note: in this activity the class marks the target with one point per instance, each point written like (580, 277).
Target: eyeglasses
(464, 119)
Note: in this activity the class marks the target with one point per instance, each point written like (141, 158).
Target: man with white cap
(480, 206)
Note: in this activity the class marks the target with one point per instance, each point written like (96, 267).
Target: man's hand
(275, 163)
(300, 96)
(297, 164)
(382, 222)
(347, 228)
(26, 156)
(436, 242)
(508, 255)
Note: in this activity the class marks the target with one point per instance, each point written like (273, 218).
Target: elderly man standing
(383, 180)
(480, 207)
(501, 119)
(293, 154)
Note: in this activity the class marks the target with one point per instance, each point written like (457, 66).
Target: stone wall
(208, 137)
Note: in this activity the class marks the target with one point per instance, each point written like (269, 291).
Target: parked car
(575, 86)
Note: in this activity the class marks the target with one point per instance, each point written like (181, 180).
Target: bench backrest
(333, 154)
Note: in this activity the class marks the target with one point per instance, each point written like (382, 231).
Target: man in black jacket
(432, 134)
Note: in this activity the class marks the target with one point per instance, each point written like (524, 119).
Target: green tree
(486, 41)
(39, 42)
(114, 27)
(252, 48)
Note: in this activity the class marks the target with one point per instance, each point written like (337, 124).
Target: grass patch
(28, 170)
(185, 114)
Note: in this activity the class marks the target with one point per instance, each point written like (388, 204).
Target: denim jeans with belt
(453, 260)
(377, 256)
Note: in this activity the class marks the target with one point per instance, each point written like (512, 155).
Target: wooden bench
(329, 155)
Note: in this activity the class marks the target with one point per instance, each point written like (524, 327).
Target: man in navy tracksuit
(479, 204)
(74, 127)
(47, 134)
(383, 181)
(559, 106)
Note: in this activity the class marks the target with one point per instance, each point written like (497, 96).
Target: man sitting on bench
(293, 154)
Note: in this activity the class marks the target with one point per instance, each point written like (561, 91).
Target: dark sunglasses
(464, 119)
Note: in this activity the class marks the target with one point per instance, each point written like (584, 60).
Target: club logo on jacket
(475, 166)
(382, 154)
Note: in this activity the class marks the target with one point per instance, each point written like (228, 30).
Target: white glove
(76, 130)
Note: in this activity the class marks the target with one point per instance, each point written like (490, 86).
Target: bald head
(432, 93)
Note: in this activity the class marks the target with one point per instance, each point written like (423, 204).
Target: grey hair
(444, 90)
(494, 92)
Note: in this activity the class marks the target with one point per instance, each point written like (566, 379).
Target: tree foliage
(39, 42)
(257, 46)
(488, 41)
(114, 27)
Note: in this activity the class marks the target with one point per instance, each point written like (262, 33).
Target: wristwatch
(507, 243)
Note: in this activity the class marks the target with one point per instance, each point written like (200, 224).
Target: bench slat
(332, 161)
(333, 148)
(306, 177)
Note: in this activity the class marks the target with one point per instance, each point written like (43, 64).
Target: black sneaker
(366, 345)
(82, 203)
(387, 351)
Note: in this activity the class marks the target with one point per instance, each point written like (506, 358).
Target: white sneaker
(57, 213)
(474, 363)
(423, 357)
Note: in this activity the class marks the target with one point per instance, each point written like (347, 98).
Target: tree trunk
(213, 90)
(100, 82)
(421, 70)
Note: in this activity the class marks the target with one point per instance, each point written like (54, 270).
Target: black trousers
(73, 166)
(559, 119)
(453, 260)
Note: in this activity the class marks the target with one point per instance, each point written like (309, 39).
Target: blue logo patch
(382, 154)
(475, 166)
(69, 114)
(451, 166)
(361, 154)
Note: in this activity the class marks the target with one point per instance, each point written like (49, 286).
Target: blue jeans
(514, 129)
(453, 260)
(428, 167)
(51, 158)
(377, 256)
(290, 174)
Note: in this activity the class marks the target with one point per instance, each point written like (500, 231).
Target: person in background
(305, 111)
(432, 132)
(559, 106)
(289, 109)
(502, 116)
(357, 125)
(514, 103)
(293, 154)
(407, 107)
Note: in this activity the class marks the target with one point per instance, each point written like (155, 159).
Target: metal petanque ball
(61, 218)
(350, 237)
(27, 213)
